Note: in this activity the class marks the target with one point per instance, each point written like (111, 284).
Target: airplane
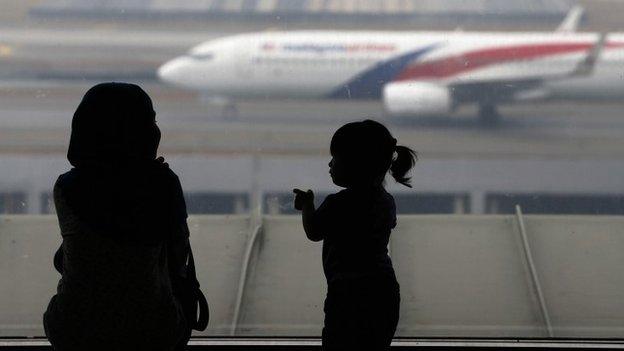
(413, 73)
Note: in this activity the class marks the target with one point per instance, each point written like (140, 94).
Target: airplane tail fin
(571, 22)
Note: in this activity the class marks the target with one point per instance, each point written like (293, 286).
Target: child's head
(363, 152)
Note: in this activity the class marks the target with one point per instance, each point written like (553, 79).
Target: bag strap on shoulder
(201, 321)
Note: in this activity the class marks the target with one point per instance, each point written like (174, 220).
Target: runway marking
(5, 50)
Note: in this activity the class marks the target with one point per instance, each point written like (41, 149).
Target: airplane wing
(525, 83)
(514, 88)
(586, 67)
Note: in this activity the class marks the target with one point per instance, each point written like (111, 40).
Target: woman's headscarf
(114, 124)
(117, 188)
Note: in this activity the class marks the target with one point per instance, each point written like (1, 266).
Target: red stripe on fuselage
(447, 67)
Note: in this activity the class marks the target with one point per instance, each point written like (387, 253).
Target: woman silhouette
(123, 222)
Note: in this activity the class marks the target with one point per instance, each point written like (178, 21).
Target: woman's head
(114, 124)
(363, 152)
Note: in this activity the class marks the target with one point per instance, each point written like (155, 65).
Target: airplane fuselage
(361, 65)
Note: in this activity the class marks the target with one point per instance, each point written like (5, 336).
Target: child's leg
(377, 314)
(388, 318)
(361, 315)
(338, 330)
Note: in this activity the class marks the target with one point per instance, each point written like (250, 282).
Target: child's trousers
(361, 314)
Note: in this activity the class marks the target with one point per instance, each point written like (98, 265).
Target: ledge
(402, 344)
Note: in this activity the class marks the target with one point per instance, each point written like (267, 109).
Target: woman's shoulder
(165, 174)
(157, 175)
(170, 179)
(67, 177)
(66, 180)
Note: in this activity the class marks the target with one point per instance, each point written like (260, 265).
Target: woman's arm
(178, 243)
(58, 259)
(178, 248)
(65, 224)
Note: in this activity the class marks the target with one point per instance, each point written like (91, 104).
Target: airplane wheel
(488, 115)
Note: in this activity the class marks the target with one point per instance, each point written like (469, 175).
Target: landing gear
(228, 111)
(488, 115)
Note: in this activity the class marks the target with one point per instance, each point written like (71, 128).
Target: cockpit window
(203, 56)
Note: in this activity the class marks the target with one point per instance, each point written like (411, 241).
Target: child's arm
(304, 202)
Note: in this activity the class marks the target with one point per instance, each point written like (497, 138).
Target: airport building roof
(332, 9)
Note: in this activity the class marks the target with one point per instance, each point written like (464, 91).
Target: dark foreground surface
(399, 344)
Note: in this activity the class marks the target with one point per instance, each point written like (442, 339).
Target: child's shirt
(356, 225)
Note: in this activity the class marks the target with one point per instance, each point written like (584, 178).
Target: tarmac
(36, 119)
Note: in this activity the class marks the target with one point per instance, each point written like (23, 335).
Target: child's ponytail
(405, 160)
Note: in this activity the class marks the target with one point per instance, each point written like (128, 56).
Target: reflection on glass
(507, 103)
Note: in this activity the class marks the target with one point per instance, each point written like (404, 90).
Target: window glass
(13, 202)
(432, 203)
(216, 203)
(47, 203)
(557, 204)
(512, 226)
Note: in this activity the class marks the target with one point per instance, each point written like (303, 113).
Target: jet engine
(416, 98)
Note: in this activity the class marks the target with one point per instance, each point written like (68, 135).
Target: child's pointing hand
(303, 199)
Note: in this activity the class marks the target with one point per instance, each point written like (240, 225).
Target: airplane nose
(173, 71)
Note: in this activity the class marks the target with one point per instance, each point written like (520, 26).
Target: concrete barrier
(218, 244)
(27, 277)
(459, 275)
(463, 276)
(286, 286)
(28, 243)
(580, 261)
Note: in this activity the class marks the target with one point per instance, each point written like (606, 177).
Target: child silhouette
(362, 304)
